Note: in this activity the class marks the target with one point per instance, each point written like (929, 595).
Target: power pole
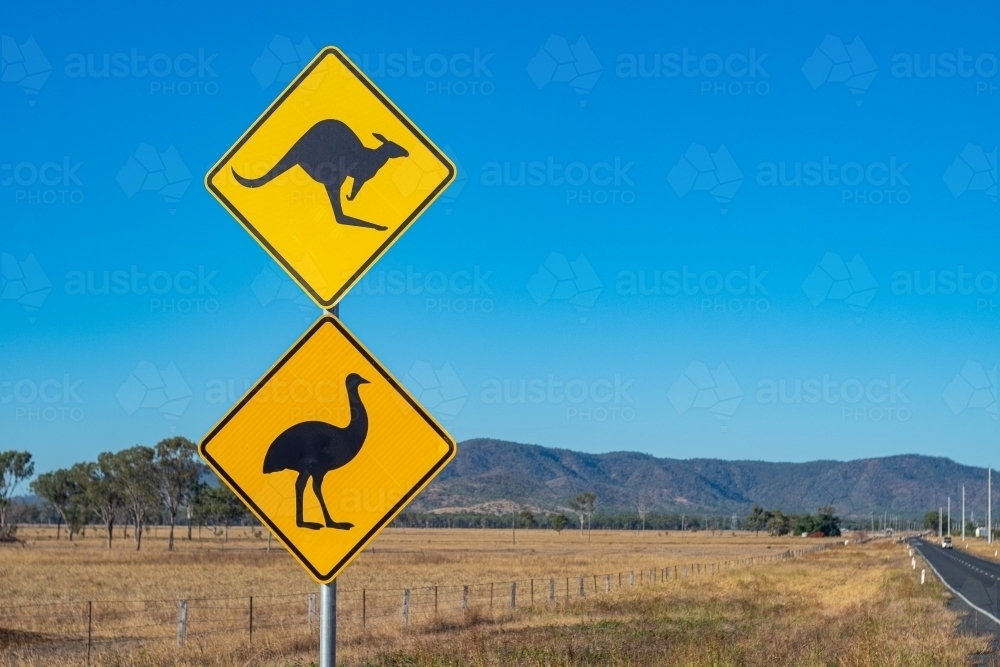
(989, 504)
(963, 512)
(940, 521)
(949, 516)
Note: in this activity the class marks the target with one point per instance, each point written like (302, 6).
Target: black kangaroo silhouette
(330, 152)
(314, 448)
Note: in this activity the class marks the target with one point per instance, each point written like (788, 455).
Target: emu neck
(358, 428)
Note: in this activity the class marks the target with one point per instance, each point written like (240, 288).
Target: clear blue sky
(667, 219)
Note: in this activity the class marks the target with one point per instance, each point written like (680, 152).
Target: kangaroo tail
(276, 170)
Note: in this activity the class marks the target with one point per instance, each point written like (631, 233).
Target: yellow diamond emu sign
(330, 176)
(327, 448)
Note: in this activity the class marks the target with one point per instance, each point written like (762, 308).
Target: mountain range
(487, 475)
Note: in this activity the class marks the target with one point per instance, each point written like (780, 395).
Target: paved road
(975, 579)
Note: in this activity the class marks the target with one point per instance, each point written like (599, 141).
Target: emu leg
(300, 487)
(333, 192)
(330, 523)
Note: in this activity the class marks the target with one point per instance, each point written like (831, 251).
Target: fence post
(435, 599)
(465, 598)
(251, 619)
(312, 611)
(607, 583)
(532, 587)
(581, 586)
(364, 608)
(491, 596)
(406, 606)
(552, 590)
(922, 573)
(631, 578)
(90, 621)
(182, 619)
(567, 589)
(513, 595)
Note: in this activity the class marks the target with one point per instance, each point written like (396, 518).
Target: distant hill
(486, 471)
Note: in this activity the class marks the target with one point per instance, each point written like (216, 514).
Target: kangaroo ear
(380, 137)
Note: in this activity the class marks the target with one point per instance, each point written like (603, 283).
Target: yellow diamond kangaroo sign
(330, 176)
(327, 448)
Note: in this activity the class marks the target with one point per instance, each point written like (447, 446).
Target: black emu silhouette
(314, 448)
(330, 152)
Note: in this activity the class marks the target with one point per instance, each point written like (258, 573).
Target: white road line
(948, 586)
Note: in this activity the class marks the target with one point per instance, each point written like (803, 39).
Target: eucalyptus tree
(222, 506)
(63, 489)
(15, 468)
(135, 470)
(583, 505)
(104, 491)
(177, 470)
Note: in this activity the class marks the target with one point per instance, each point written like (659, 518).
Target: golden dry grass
(845, 606)
(399, 558)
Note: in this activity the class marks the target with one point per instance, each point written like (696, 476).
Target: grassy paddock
(844, 606)
(399, 558)
(850, 607)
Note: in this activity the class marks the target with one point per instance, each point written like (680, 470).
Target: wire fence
(369, 620)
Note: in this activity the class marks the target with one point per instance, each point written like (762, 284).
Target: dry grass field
(740, 603)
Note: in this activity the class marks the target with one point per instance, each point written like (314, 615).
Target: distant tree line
(824, 522)
(656, 521)
(133, 488)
